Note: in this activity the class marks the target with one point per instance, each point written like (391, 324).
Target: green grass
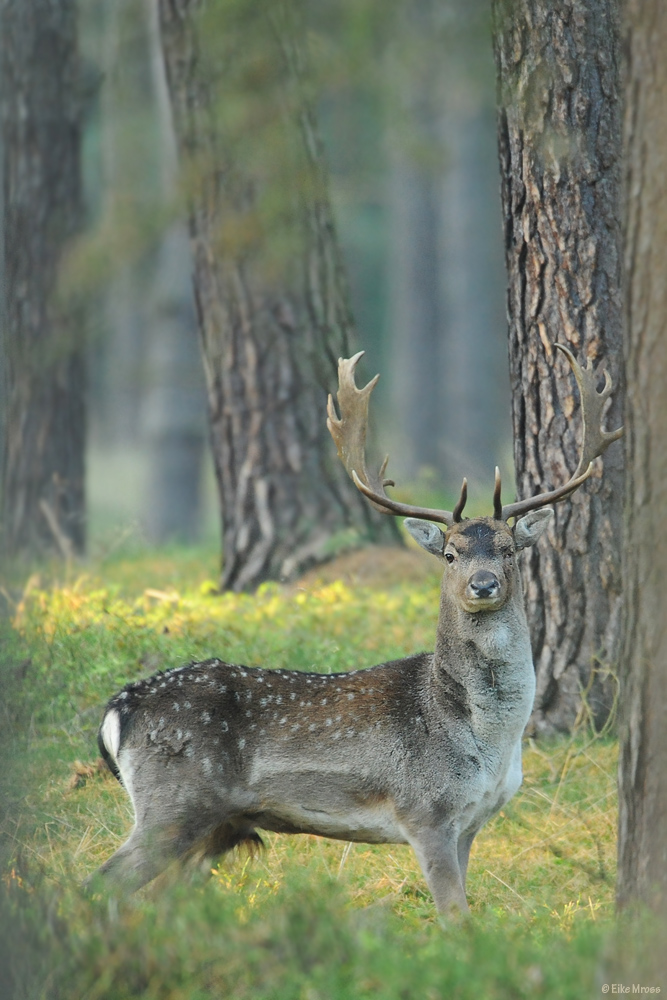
(309, 918)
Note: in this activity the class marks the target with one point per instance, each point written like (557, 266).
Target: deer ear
(427, 535)
(529, 528)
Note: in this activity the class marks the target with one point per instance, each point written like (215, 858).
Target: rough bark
(43, 466)
(559, 139)
(642, 847)
(271, 300)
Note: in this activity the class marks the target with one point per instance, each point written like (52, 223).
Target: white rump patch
(110, 733)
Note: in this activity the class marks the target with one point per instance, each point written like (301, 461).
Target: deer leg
(463, 853)
(143, 856)
(438, 858)
(149, 850)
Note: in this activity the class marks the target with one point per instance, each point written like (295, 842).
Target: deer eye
(449, 557)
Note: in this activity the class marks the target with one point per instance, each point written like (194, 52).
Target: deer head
(480, 571)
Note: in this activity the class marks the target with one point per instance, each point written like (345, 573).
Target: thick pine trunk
(273, 313)
(43, 468)
(642, 848)
(559, 137)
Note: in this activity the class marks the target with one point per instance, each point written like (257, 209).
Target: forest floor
(309, 919)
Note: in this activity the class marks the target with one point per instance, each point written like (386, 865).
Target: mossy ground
(308, 918)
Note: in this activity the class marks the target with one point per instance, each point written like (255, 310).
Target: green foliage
(305, 943)
(88, 638)
(309, 918)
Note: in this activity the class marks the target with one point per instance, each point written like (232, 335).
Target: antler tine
(461, 502)
(497, 503)
(349, 434)
(595, 441)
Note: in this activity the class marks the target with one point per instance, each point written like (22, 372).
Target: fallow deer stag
(422, 750)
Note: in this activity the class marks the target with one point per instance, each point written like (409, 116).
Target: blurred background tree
(404, 97)
(446, 302)
(271, 296)
(148, 405)
(42, 92)
(174, 410)
(425, 282)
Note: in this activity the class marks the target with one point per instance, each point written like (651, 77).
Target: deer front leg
(437, 852)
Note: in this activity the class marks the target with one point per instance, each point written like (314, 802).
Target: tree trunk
(416, 317)
(118, 357)
(43, 467)
(175, 397)
(446, 254)
(269, 289)
(475, 408)
(642, 848)
(559, 137)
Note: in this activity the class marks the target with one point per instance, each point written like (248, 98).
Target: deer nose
(483, 584)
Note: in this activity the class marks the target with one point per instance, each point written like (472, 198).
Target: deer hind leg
(143, 856)
(148, 851)
(153, 846)
(173, 823)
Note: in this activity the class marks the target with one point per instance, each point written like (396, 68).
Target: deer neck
(488, 656)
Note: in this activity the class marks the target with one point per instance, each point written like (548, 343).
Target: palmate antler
(595, 440)
(349, 434)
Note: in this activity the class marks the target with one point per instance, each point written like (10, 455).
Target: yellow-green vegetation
(308, 918)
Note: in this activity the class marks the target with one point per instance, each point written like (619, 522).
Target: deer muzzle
(483, 586)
